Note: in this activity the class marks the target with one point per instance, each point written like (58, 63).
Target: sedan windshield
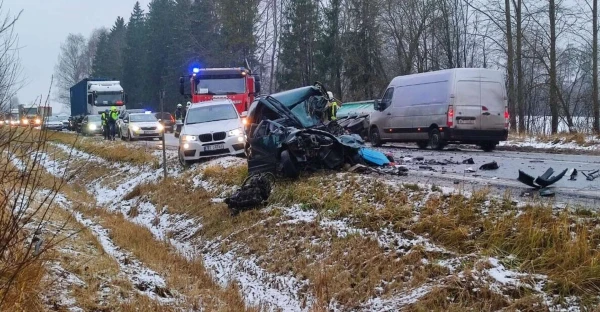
(142, 118)
(211, 113)
(94, 118)
(221, 86)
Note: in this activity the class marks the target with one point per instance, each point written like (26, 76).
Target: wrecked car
(287, 133)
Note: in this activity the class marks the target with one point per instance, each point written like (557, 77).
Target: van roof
(447, 74)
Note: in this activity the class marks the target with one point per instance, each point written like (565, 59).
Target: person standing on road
(179, 112)
(104, 117)
(112, 122)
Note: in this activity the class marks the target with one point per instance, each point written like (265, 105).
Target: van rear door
(468, 105)
(493, 101)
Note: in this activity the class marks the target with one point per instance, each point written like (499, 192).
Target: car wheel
(488, 146)
(422, 144)
(288, 166)
(375, 137)
(435, 140)
(129, 139)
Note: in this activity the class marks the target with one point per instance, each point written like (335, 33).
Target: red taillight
(450, 121)
(119, 103)
(506, 116)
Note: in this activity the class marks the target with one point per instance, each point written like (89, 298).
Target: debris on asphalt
(542, 181)
(469, 161)
(419, 158)
(592, 175)
(547, 179)
(537, 161)
(373, 157)
(489, 166)
(254, 192)
(470, 170)
(427, 168)
(573, 175)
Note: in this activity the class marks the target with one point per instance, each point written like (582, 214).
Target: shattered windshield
(304, 104)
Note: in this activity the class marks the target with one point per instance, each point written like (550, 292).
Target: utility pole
(164, 151)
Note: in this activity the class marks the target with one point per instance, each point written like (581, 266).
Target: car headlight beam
(236, 132)
(135, 128)
(160, 127)
(189, 138)
(92, 126)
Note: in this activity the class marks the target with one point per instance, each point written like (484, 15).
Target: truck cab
(235, 84)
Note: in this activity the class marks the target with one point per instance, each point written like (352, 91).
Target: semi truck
(91, 96)
(237, 84)
(28, 115)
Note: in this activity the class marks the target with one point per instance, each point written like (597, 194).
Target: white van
(461, 105)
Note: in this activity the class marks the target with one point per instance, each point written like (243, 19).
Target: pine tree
(205, 30)
(298, 44)
(133, 58)
(330, 52)
(238, 19)
(99, 68)
(108, 61)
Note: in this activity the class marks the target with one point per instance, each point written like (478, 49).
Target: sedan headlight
(135, 128)
(189, 138)
(236, 132)
(92, 126)
(38, 121)
(160, 127)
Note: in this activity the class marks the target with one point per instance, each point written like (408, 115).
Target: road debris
(592, 175)
(470, 170)
(254, 192)
(542, 181)
(489, 166)
(573, 175)
(469, 161)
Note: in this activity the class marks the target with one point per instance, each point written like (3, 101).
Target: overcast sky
(44, 24)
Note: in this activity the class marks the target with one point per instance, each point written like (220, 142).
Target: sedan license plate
(466, 121)
(214, 147)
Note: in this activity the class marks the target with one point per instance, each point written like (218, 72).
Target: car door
(493, 103)
(386, 112)
(468, 104)
(263, 147)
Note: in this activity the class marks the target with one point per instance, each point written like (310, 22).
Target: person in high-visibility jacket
(104, 117)
(332, 107)
(113, 116)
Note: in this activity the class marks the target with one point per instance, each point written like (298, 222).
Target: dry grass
(230, 176)
(188, 277)
(111, 151)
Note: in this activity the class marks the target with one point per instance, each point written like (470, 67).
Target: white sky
(45, 24)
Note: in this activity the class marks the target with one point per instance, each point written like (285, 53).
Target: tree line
(548, 49)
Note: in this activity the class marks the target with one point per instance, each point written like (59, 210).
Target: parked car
(52, 123)
(462, 105)
(167, 120)
(211, 128)
(134, 126)
(91, 125)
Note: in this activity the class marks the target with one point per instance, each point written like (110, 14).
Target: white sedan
(135, 126)
(210, 129)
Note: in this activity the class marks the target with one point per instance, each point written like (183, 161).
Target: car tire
(423, 144)
(435, 140)
(129, 139)
(488, 146)
(375, 137)
(288, 165)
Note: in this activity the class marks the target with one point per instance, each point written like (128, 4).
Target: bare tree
(10, 66)
(73, 65)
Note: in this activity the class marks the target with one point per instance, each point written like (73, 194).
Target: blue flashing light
(196, 70)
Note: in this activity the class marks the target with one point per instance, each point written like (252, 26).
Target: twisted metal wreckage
(288, 133)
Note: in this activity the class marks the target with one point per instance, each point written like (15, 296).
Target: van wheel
(488, 146)
(375, 137)
(435, 140)
(422, 144)
(288, 166)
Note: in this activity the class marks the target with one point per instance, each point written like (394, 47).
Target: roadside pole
(164, 150)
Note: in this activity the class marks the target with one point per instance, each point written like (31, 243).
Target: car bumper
(146, 134)
(197, 150)
(473, 136)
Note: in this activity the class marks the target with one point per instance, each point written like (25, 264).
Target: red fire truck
(237, 84)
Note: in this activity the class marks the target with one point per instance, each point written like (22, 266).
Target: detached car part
(255, 191)
(542, 181)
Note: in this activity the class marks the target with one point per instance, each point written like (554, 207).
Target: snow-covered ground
(592, 143)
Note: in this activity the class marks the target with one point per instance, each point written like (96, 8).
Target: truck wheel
(488, 146)
(375, 137)
(435, 140)
(422, 144)
(288, 166)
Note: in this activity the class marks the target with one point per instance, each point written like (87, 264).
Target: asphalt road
(499, 181)
(580, 191)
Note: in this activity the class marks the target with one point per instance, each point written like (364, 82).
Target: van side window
(386, 101)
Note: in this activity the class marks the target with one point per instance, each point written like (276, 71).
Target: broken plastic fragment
(489, 166)
(527, 179)
(546, 192)
(546, 180)
(469, 161)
